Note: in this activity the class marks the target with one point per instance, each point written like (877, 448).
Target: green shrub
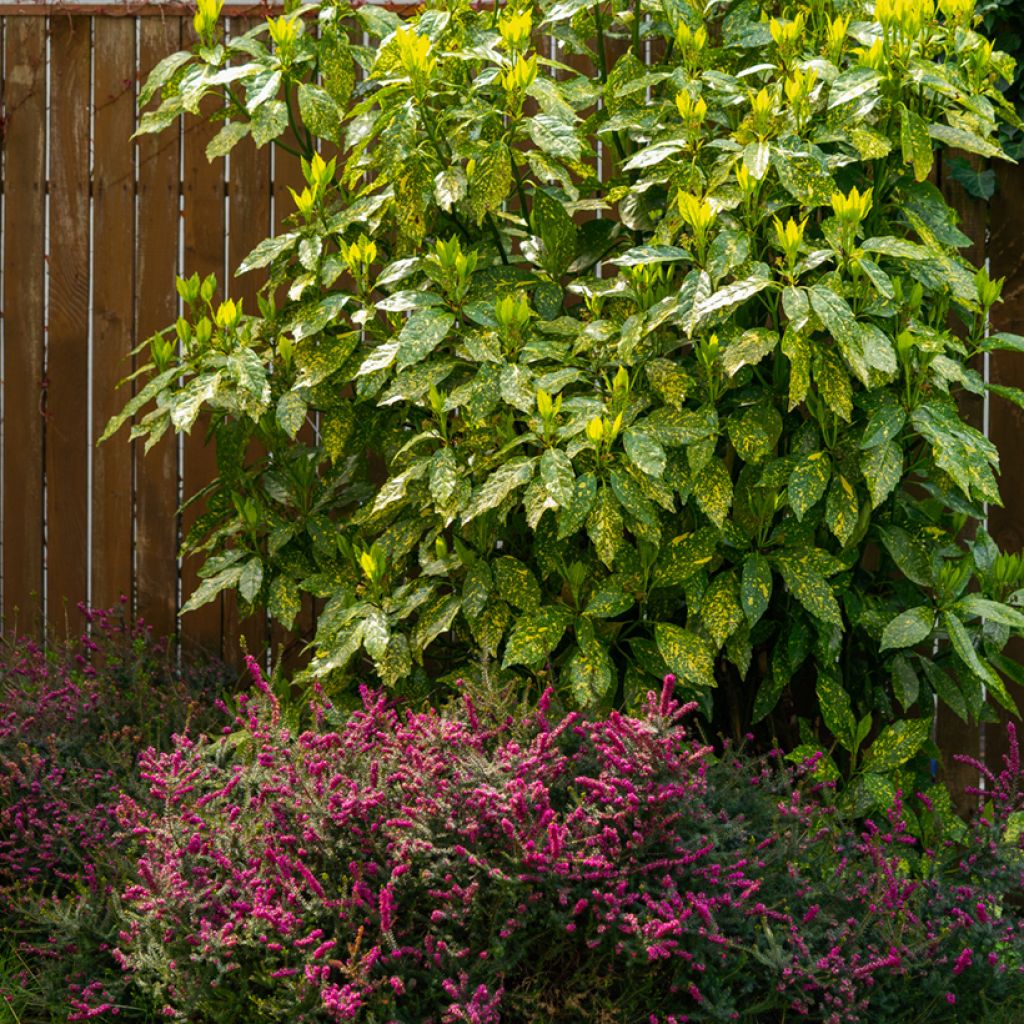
(653, 366)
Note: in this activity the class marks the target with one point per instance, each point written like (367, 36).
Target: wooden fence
(93, 230)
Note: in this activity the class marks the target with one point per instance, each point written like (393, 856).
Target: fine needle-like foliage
(638, 354)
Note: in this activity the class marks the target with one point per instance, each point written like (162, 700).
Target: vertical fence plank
(1006, 421)
(113, 241)
(67, 440)
(156, 256)
(204, 254)
(248, 224)
(24, 192)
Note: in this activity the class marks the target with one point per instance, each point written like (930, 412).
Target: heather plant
(421, 867)
(581, 373)
(73, 718)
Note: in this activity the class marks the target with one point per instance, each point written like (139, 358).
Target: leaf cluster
(641, 352)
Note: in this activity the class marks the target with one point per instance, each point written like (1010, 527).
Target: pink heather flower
(963, 961)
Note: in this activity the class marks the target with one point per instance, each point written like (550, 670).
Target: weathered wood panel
(113, 304)
(156, 264)
(67, 357)
(24, 112)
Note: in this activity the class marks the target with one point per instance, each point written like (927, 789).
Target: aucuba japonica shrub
(584, 376)
(418, 868)
(73, 718)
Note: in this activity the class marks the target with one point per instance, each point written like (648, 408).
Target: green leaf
(905, 684)
(949, 693)
(882, 467)
(808, 481)
(853, 84)
(604, 527)
(590, 669)
(643, 255)
(960, 138)
(422, 333)
(669, 380)
(251, 580)
(555, 137)
(833, 382)
(712, 489)
(755, 432)
(515, 583)
(809, 587)
(768, 694)
(161, 74)
(208, 589)
(720, 610)
(320, 113)
(226, 139)
(959, 450)
(476, 590)
(871, 791)
(489, 626)
(684, 556)
(267, 251)
(909, 554)
(435, 618)
(536, 634)
(756, 157)
(284, 602)
(994, 611)
(838, 319)
(755, 587)
(376, 634)
(444, 476)
(573, 516)
(966, 652)
(726, 298)
(805, 176)
(748, 349)
(396, 662)
(517, 388)
(842, 509)
(337, 68)
(556, 230)
(687, 655)
(644, 452)
(609, 600)
(146, 393)
(836, 711)
(291, 413)
(269, 121)
(491, 181)
(798, 351)
(883, 425)
(896, 744)
(915, 142)
(557, 474)
(909, 628)
(498, 486)
(450, 187)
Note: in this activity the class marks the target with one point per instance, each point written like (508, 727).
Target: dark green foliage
(714, 429)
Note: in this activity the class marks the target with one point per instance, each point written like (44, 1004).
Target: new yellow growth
(853, 207)
(414, 52)
(790, 237)
(521, 75)
(515, 28)
(207, 13)
(692, 111)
